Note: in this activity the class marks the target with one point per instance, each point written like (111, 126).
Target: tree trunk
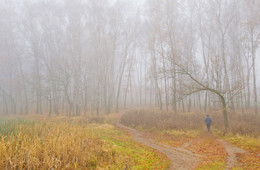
(254, 82)
(224, 107)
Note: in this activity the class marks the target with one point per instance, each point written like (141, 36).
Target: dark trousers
(208, 127)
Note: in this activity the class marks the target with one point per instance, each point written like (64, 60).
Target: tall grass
(63, 143)
(30, 145)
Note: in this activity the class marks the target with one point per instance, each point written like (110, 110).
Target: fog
(73, 57)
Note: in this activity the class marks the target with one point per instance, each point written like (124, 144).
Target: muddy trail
(180, 157)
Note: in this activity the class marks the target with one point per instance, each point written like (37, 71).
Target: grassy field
(93, 142)
(62, 143)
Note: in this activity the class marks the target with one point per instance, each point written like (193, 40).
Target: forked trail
(179, 157)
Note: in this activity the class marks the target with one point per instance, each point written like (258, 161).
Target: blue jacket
(208, 120)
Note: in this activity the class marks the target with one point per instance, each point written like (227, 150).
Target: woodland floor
(232, 151)
(184, 157)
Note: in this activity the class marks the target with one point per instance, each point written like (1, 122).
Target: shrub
(244, 124)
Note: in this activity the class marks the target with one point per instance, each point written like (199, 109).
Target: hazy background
(73, 57)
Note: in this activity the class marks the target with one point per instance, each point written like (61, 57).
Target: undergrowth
(242, 124)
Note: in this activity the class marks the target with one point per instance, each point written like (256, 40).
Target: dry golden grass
(45, 145)
(62, 143)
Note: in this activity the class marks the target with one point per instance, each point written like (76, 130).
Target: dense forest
(72, 57)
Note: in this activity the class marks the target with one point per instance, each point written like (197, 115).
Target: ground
(103, 142)
(205, 152)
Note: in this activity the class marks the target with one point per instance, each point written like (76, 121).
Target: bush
(244, 124)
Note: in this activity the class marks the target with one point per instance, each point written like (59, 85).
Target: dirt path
(232, 151)
(180, 158)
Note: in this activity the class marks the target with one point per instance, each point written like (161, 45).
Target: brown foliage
(244, 124)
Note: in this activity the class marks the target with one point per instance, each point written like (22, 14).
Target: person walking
(208, 122)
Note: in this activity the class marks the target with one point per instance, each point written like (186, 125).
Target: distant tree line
(73, 57)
